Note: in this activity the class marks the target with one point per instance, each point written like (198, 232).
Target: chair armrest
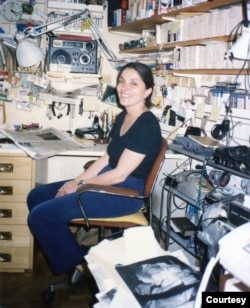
(104, 189)
(107, 189)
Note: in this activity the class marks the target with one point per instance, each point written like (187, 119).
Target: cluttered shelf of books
(186, 33)
(200, 196)
(136, 26)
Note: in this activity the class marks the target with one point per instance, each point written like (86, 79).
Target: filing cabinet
(17, 177)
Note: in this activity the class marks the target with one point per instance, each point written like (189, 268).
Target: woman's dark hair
(146, 75)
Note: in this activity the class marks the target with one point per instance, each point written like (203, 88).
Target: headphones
(219, 131)
(59, 106)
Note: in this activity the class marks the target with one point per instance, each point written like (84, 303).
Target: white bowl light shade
(28, 53)
(240, 49)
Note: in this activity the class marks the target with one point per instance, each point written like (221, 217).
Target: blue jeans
(49, 219)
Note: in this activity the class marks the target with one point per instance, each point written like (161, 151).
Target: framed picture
(110, 96)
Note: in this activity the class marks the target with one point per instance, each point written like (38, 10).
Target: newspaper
(43, 143)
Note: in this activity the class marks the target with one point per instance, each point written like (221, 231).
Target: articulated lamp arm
(84, 15)
(43, 29)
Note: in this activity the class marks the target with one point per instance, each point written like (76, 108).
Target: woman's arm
(94, 168)
(91, 172)
(127, 163)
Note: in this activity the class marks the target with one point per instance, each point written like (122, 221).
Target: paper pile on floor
(137, 244)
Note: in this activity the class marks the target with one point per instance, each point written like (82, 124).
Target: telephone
(95, 130)
(234, 254)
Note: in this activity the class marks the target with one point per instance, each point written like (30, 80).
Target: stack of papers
(92, 90)
(137, 244)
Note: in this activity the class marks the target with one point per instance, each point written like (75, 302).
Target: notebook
(206, 142)
(183, 225)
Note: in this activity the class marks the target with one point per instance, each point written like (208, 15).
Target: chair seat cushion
(137, 218)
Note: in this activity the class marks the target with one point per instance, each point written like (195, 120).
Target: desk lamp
(241, 47)
(26, 47)
(27, 52)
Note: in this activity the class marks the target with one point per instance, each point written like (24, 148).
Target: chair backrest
(149, 185)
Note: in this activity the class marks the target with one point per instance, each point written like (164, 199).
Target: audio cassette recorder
(73, 56)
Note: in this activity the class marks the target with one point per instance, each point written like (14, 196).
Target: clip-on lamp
(241, 47)
(28, 53)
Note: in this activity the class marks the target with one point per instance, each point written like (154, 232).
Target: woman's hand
(67, 188)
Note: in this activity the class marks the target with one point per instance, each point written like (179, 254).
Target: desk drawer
(13, 213)
(14, 236)
(14, 190)
(14, 259)
(15, 168)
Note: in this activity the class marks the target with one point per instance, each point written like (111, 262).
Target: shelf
(180, 150)
(74, 6)
(139, 25)
(233, 72)
(221, 71)
(183, 197)
(178, 13)
(172, 45)
(182, 241)
(149, 23)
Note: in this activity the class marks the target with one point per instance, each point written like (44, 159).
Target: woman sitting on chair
(135, 142)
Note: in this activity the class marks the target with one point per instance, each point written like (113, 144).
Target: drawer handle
(6, 168)
(5, 213)
(6, 190)
(5, 236)
(5, 257)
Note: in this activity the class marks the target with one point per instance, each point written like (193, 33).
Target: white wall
(186, 87)
(38, 114)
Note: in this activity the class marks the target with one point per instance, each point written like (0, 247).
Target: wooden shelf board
(170, 46)
(149, 23)
(221, 71)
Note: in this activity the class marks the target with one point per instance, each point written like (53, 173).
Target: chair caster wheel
(47, 296)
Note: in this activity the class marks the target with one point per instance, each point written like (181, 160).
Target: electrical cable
(178, 207)
(200, 210)
(162, 220)
(200, 184)
(169, 201)
(161, 208)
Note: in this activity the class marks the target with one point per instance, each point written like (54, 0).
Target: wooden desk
(17, 178)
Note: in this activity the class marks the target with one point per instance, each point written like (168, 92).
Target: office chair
(141, 218)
